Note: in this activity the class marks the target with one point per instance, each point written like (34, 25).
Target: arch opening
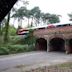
(70, 45)
(57, 44)
(41, 44)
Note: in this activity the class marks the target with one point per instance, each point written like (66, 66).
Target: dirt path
(33, 58)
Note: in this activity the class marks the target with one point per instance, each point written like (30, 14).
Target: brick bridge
(54, 39)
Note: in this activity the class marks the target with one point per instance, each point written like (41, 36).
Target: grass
(53, 68)
(67, 64)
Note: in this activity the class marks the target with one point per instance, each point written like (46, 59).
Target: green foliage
(20, 13)
(54, 19)
(36, 15)
(12, 31)
(15, 40)
(12, 49)
(4, 51)
(1, 40)
(7, 29)
(21, 40)
(30, 39)
(16, 48)
(50, 18)
(31, 47)
(18, 44)
(67, 64)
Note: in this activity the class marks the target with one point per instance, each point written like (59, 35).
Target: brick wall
(65, 31)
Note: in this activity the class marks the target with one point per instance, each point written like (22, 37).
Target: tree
(38, 16)
(19, 14)
(2, 26)
(35, 14)
(6, 21)
(0, 29)
(54, 18)
(6, 28)
(28, 16)
(46, 17)
(70, 16)
(50, 18)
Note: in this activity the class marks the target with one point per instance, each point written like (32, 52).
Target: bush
(20, 48)
(29, 39)
(12, 49)
(14, 40)
(16, 48)
(31, 48)
(12, 31)
(4, 51)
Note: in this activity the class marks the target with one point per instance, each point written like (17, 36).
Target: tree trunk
(0, 29)
(32, 22)
(28, 22)
(6, 29)
(14, 21)
(19, 23)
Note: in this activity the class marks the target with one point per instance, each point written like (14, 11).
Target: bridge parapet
(60, 31)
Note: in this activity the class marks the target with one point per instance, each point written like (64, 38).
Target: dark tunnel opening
(57, 44)
(70, 45)
(41, 44)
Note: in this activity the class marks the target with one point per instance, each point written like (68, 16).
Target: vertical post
(48, 46)
(67, 47)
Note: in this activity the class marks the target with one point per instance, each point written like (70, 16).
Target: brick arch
(70, 45)
(41, 44)
(56, 36)
(57, 44)
(70, 37)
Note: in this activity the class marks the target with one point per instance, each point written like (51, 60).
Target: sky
(60, 7)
